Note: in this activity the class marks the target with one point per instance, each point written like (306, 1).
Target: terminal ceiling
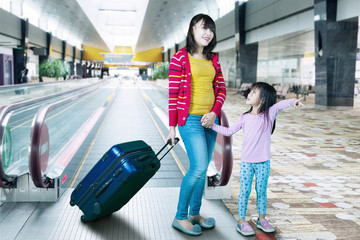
(104, 24)
(141, 24)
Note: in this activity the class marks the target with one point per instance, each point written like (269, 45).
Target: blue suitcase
(116, 178)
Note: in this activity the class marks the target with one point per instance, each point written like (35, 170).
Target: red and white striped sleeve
(221, 93)
(175, 75)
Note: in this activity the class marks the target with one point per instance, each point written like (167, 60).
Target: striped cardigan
(180, 87)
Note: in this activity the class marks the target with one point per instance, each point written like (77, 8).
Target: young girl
(257, 124)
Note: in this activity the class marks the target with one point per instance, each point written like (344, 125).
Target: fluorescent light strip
(117, 10)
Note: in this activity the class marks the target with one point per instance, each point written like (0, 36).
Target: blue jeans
(199, 143)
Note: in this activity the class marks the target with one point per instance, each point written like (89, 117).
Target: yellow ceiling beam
(138, 66)
(121, 66)
(309, 54)
(123, 50)
(152, 55)
(111, 65)
(91, 53)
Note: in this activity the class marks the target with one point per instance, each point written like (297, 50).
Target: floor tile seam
(26, 221)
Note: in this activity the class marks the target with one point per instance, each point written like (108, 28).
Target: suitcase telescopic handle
(167, 143)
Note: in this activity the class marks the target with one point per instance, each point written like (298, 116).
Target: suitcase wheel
(97, 208)
(83, 219)
(72, 202)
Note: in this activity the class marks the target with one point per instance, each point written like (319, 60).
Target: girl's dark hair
(268, 98)
(190, 40)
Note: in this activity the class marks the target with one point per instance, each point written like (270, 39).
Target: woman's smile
(208, 39)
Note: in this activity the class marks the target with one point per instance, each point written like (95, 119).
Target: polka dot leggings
(247, 171)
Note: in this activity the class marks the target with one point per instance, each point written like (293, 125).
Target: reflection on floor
(314, 185)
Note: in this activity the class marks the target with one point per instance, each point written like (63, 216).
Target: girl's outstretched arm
(279, 106)
(230, 130)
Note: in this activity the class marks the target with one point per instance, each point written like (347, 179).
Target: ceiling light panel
(116, 4)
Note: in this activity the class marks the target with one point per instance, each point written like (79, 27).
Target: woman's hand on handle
(172, 135)
(297, 103)
(208, 119)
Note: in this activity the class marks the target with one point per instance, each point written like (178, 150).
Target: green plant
(54, 68)
(161, 71)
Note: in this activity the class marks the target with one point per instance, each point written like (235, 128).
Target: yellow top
(202, 92)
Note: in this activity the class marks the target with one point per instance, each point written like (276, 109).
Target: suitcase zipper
(108, 171)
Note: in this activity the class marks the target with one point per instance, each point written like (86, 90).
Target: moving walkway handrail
(34, 84)
(227, 156)
(38, 126)
(6, 181)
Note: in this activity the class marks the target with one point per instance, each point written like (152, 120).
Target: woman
(196, 94)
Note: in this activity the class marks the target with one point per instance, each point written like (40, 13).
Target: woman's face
(202, 36)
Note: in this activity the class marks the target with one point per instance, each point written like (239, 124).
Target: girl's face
(202, 35)
(254, 97)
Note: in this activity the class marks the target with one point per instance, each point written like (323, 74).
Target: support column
(83, 65)
(81, 55)
(72, 63)
(335, 56)
(48, 47)
(84, 70)
(79, 67)
(168, 54)
(89, 70)
(246, 54)
(63, 52)
(20, 53)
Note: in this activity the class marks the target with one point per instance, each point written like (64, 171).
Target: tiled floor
(314, 185)
(148, 215)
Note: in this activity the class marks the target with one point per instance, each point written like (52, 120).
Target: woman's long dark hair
(190, 40)
(268, 98)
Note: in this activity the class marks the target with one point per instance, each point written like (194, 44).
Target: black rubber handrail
(38, 126)
(227, 157)
(7, 181)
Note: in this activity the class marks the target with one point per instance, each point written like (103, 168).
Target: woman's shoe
(195, 231)
(209, 222)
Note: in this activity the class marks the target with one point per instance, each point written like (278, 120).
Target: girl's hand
(171, 135)
(208, 119)
(297, 103)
